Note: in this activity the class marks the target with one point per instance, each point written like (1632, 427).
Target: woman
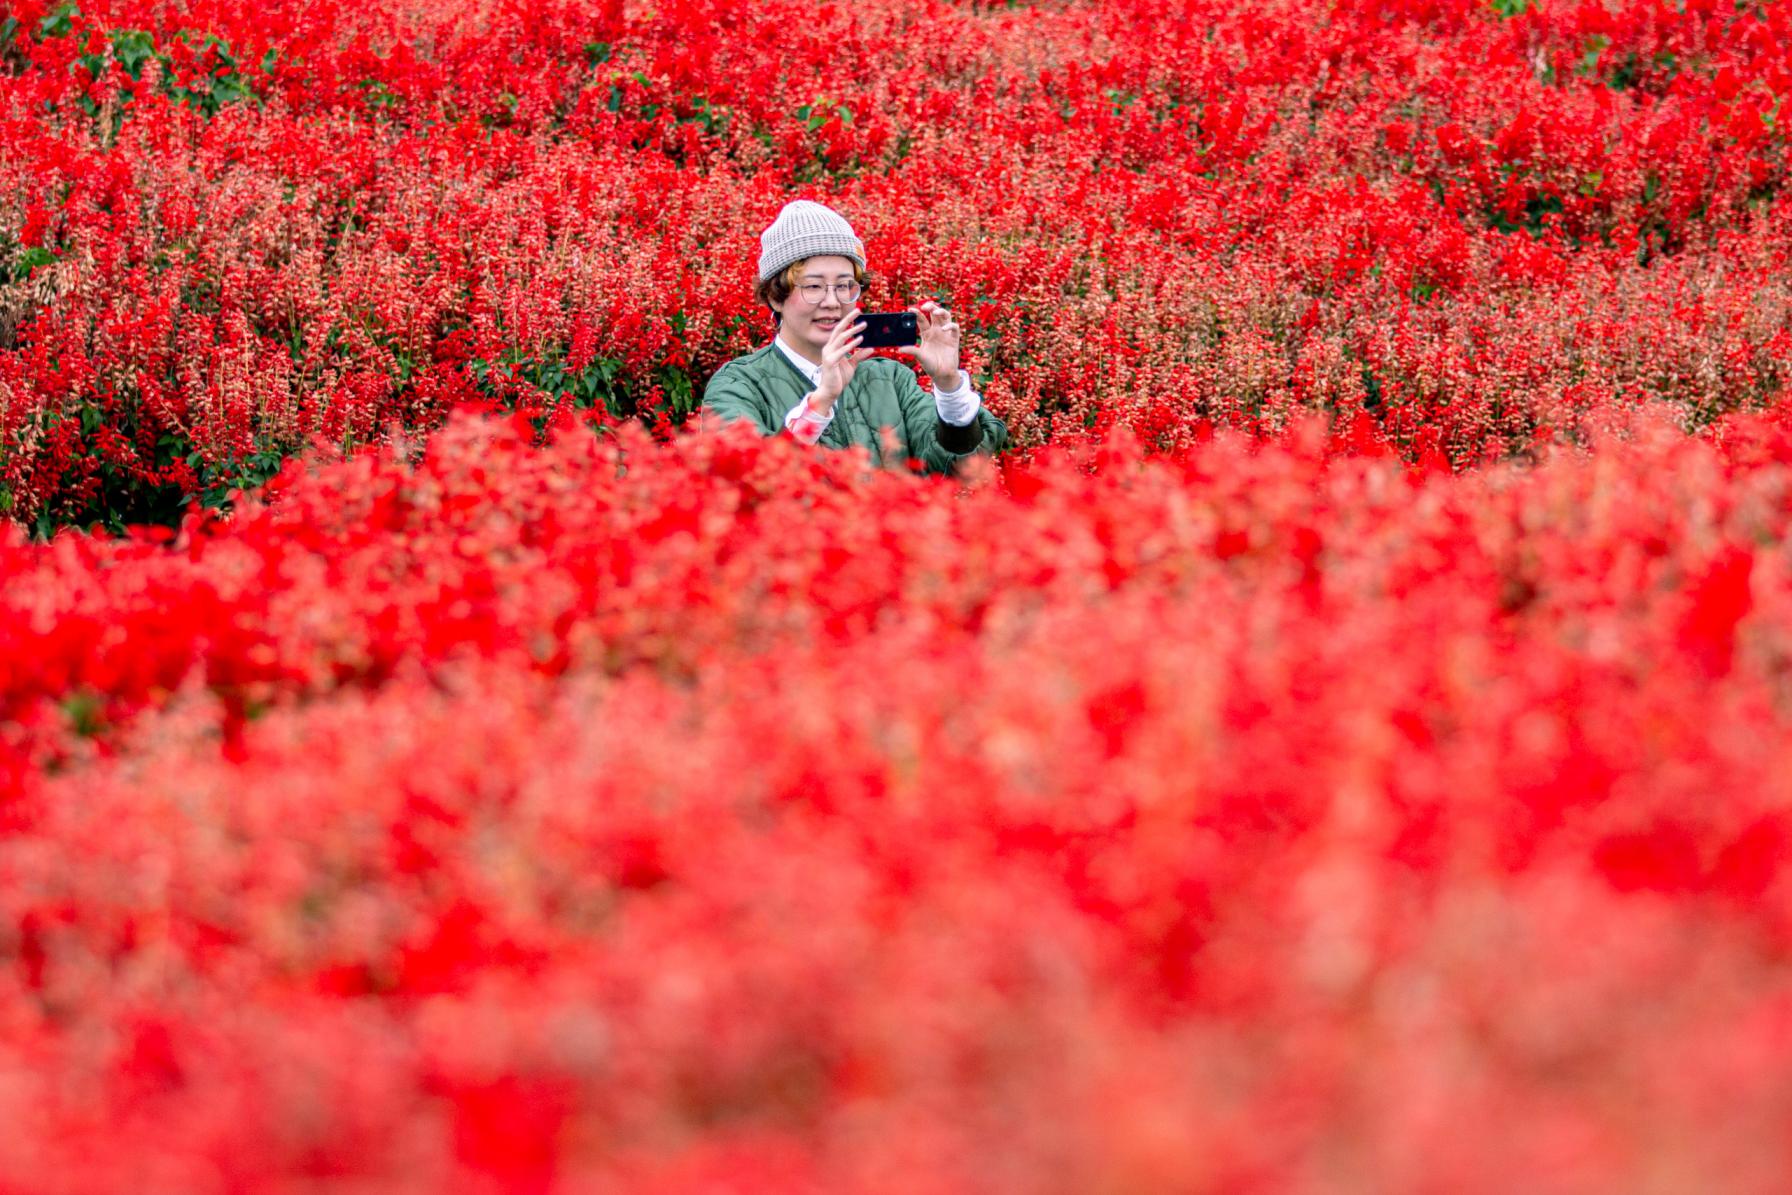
(815, 382)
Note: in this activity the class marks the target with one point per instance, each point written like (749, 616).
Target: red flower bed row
(717, 815)
(227, 230)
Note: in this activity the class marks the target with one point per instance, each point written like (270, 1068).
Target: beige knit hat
(806, 229)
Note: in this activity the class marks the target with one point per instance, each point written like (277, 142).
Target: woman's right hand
(840, 357)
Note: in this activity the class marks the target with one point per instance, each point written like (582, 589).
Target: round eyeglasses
(816, 293)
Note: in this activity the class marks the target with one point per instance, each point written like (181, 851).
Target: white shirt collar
(809, 369)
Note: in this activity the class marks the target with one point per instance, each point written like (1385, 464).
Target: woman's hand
(840, 358)
(938, 348)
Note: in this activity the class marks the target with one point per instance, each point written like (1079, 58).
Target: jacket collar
(809, 370)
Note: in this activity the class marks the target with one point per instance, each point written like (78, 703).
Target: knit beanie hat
(806, 229)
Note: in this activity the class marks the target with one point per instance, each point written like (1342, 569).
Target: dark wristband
(959, 440)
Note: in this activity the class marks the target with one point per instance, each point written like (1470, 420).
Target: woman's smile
(807, 331)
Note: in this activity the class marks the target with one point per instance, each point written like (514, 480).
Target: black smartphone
(888, 330)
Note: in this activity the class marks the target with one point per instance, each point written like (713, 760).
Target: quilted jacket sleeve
(731, 394)
(938, 445)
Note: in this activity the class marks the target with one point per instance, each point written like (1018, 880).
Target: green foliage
(1588, 66)
(1119, 100)
(815, 115)
(27, 260)
(377, 96)
(59, 21)
(131, 48)
(11, 56)
(519, 378)
(85, 711)
(596, 385)
(1538, 208)
(218, 83)
(125, 496)
(220, 480)
(225, 84)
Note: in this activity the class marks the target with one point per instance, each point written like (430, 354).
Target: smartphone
(888, 330)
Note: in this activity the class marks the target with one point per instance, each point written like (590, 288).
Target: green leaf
(59, 21)
(84, 711)
(30, 260)
(1589, 58)
(229, 89)
(221, 48)
(132, 48)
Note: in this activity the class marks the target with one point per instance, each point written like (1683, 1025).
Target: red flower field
(1342, 747)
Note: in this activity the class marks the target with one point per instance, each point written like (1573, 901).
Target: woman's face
(807, 325)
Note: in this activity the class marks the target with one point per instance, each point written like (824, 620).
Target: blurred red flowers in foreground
(714, 815)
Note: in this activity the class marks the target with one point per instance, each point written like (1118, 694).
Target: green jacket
(762, 387)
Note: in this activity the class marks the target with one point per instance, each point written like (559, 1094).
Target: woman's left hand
(938, 348)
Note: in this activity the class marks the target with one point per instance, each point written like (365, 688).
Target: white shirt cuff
(805, 424)
(959, 407)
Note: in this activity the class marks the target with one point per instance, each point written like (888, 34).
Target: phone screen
(886, 330)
